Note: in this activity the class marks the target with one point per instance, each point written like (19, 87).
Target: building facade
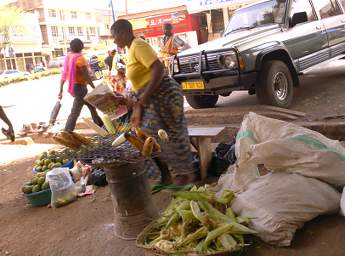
(25, 45)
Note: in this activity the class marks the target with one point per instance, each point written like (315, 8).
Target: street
(86, 227)
(321, 91)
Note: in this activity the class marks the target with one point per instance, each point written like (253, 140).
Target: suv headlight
(227, 61)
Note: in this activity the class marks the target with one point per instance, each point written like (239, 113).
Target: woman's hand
(60, 95)
(136, 115)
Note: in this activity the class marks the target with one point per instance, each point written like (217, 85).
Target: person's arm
(4, 117)
(87, 76)
(62, 82)
(157, 73)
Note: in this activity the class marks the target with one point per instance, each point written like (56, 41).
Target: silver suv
(265, 48)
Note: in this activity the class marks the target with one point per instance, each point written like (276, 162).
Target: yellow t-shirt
(140, 57)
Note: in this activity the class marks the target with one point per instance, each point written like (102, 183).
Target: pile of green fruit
(36, 184)
(49, 160)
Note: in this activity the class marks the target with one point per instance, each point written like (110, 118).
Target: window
(88, 15)
(327, 8)
(80, 31)
(73, 15)
(260, 14)
(55, 31)
(71, 31)
(92, 31)
(302, 5)
(52, 13)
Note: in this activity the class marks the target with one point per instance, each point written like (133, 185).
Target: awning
(195, 6)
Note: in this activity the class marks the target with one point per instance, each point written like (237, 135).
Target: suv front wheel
(275, 86)
(202, 101)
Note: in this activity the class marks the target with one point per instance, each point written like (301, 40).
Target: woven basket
(140, 242)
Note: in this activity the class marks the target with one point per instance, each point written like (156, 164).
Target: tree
(10, 17)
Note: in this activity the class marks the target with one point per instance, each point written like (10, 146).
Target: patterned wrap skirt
(166, 112)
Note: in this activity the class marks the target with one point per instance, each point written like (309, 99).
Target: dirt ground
(85, 227)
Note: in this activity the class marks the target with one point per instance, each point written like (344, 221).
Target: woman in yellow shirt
(159, 101)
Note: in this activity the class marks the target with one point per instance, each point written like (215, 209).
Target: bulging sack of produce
(104, 99)
(282, 146)
(280, 203)
(62, 187)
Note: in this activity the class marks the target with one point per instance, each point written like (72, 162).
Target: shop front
(186, 26)
(217, 12)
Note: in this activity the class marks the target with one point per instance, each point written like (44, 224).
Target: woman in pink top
(76, 72)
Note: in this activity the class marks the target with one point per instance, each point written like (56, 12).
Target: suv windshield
(265, 13)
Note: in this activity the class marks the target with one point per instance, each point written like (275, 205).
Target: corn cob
(138, 144)
(95, 127)
(81, 139)
(108, 124)
(148, 146)
(119, 140)
(141, 134)
(68, 136)
(163, 136)
(65, 142)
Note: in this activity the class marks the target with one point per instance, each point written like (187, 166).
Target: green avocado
(27, 189)
(45, 186)
(36, 188)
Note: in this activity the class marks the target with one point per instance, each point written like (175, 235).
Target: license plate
(193, 85)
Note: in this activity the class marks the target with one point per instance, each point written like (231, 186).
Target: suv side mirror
(297, 18)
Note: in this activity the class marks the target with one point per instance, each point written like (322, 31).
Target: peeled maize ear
(95, 127)
(81, 139)
(148, 146)
(141, 134)
(108, 124)
(119, 140)
(138, 144)
(163, 135)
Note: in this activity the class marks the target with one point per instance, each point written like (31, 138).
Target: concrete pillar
(225, 17)
(209, 22)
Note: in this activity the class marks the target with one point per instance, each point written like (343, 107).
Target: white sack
(280, 203)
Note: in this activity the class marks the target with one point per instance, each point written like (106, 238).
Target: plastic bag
(62, 187)
(104, 99)
(55, 112)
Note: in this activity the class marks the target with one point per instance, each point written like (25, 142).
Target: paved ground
(85, 227)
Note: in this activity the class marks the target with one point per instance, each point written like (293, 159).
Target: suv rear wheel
(202, 101)
(275, 86)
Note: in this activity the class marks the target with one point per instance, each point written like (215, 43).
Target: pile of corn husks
(198, 221)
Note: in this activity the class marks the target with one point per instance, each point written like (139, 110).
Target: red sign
(153, 26)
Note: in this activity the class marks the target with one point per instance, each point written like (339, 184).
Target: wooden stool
(201, 138)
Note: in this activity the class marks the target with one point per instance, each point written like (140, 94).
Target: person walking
(158, 102)
(9, 133)
(76, 72)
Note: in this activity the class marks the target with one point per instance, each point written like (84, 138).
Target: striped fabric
(166, 112)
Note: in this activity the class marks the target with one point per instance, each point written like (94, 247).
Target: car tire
(202, 101)
(275, 86)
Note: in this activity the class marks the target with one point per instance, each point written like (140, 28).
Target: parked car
(265, 48)
(57, 62)
(37, 69)
(13, 73)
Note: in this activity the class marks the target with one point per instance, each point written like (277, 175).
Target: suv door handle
(318, 27)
